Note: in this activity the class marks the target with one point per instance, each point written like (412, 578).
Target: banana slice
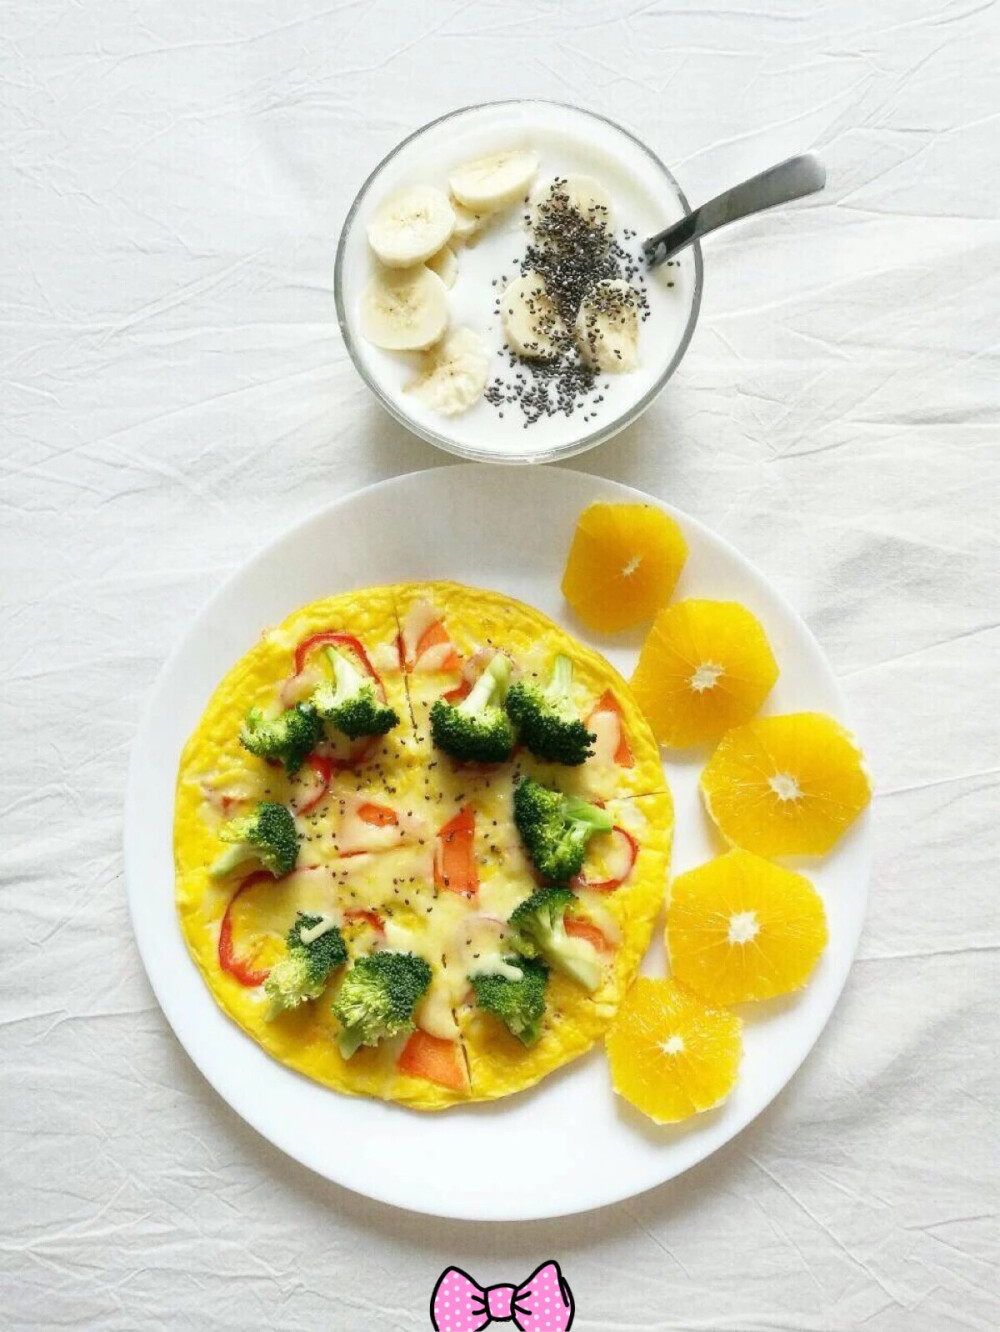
(468, 224)
(531, 322)
(493, 182)
(445, 264)
(582, 194)
(404, 309)
(411, 226)
(607, 327)
(453, 375)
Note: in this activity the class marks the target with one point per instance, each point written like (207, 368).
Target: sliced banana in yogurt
(411, 225)
(532, 324)
(453, 374)
(489, 183)
(404, 309)
(607, 327)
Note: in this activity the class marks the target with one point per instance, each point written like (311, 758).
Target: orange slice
(741, 928)
(670, 1056)
(623, 564)
(786, 786)
(706, 666)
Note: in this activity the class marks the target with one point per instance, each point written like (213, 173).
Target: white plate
(570, 1144)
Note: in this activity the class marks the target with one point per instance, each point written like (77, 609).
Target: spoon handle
(777, 185)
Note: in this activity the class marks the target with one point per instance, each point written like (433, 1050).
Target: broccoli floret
(290, 736)
(477, 730)
(377, 998)
(556, 828)
(303, 972)
(350, 701)
(519, 1004)
(267, 835)
(546, 720)
(539, 930)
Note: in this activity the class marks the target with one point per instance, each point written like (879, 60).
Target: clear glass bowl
(444, 136)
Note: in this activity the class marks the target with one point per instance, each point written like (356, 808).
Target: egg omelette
(404, 849)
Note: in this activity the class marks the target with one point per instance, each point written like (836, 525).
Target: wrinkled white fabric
(176, 393)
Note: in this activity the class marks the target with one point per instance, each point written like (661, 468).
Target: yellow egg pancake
(379, 822)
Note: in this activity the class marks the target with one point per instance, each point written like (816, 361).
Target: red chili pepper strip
(608, 885)
(228, 961)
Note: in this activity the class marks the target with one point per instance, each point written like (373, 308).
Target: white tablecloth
(176, 393)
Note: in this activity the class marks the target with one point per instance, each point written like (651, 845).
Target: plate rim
(249, 1115)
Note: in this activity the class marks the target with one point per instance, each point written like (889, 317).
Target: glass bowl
(424, 157)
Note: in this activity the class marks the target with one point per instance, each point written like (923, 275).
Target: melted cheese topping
(352, 865)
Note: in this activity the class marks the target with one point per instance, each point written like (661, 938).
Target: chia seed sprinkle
(571, 251)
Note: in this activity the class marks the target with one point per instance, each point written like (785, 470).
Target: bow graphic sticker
(543, 1303)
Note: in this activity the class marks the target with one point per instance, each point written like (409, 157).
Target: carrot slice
(454, 859)
(432, 636)
(429, 1057)
(583, 929)
(379, 816)
(458, 693)
(608, 703)
(372, 917)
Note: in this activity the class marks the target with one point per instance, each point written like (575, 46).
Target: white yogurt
(568, 142)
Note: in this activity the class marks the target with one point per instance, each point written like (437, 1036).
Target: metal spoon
(779, 184)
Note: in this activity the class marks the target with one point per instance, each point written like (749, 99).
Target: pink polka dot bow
(544, 1303)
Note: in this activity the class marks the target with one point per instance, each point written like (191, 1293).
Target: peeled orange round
(670, 1056)
(786, 786)
(706, 666)
(740, 928)
(623, 564)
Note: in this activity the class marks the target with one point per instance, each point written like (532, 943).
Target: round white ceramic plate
(569, 1144)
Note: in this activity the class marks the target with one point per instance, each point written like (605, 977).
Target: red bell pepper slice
(436, 1060)
(362, 748)
(334, 638)
(608, 703)
(455, 861)
(244, 972)
(608, 885)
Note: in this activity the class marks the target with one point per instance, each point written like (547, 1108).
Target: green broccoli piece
(546, 720)
(289, 737)
(477, 730)
(539, 930)
(350, 701)
(377, 998)
(556, 828)
(519, 1004)
(303, 972)
(267, 835)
